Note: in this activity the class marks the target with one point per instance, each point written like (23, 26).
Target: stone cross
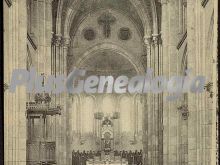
(106, 20)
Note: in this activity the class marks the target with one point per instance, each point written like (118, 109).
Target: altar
(106, 152)
(107, 136)
(107, 147)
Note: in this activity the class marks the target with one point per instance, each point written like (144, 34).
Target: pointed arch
(145, 13)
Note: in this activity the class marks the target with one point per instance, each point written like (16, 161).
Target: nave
(110, 38)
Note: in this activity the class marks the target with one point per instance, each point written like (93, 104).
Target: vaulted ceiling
(144, 13)
(120, 5)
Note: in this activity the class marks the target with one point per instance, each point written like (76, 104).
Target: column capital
(156, 39)
(184, 2)
(65, 42)
(56, 39)
(147, 40)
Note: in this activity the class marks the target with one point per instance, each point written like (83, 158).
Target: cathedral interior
(110, 37)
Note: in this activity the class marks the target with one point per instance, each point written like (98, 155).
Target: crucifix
(106, 19)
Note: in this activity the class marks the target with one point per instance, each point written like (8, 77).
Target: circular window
(89, 34)
(124, 33)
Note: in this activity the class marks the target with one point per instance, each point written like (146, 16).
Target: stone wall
(190, 140)
(79, 45)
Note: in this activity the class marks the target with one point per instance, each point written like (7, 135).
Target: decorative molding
(124, 34)
(40, 147)
(115, 116)
(9, 2)
(204, 3)
(42, 105)
(31, 41)
(42, 98)
(57, 40)
(184, 111)
(208, 88)
(65, 42)
(182, 40)
(89, 34)
(98, 115)
(147, 41)
(6, 87)
(184, 2)
(154, 40)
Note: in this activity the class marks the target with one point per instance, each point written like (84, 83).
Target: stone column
(159, 98)
(15, 49)
(165, 67)
(64, 100)
(202, 60)
(55, 46)
(59, 53)
(41, 28)
(192, 104)
(147, 104)
(155, 101)
(170, 31)
(152, 121)
(41, 33)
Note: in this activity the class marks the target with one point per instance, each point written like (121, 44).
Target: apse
(90, 111)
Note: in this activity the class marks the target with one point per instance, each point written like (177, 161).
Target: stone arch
(59, 17)
(139, 30)
(154, 17)
(77, 99)
(112, 47)
(111, 99)
(93, 97)
(209, 46)
(139, 5)
(126, 113)
(89, 107)
(137, 97)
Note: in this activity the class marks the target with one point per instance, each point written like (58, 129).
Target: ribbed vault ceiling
(127, 7)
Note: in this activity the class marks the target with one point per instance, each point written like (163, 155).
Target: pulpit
(40, 149)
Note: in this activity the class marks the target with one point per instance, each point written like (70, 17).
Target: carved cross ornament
(106, 20)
